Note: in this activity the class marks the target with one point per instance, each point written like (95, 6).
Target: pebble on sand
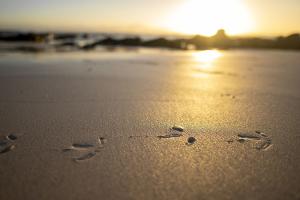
(191, 140)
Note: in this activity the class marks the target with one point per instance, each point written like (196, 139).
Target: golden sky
(237, 17)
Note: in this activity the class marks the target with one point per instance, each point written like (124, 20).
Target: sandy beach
(87, 125)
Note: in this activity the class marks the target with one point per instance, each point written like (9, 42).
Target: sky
(205, 17)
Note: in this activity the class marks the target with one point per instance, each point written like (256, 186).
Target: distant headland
(87, 41)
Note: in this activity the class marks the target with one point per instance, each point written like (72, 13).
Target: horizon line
(158, 34)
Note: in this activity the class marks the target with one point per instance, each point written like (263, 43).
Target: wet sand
(98, 125)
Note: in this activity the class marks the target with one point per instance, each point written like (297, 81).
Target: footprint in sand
(86, 151)
(7, 143)
(261, 140)
(228, 95)
(175, 131)
(85, 156)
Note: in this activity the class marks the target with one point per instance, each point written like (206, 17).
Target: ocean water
(273, 70)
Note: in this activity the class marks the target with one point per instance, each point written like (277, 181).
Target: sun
(205, 17)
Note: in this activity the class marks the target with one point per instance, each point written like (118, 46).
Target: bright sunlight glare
(205, 17)
(206, 58)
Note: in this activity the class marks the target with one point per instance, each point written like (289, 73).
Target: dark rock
(191, 140)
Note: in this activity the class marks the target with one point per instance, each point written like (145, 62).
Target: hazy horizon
(176, 17)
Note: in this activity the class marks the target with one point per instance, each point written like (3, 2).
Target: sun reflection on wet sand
(205, 61)
(206, 58)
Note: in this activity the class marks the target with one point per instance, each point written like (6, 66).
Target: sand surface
(85, 125)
